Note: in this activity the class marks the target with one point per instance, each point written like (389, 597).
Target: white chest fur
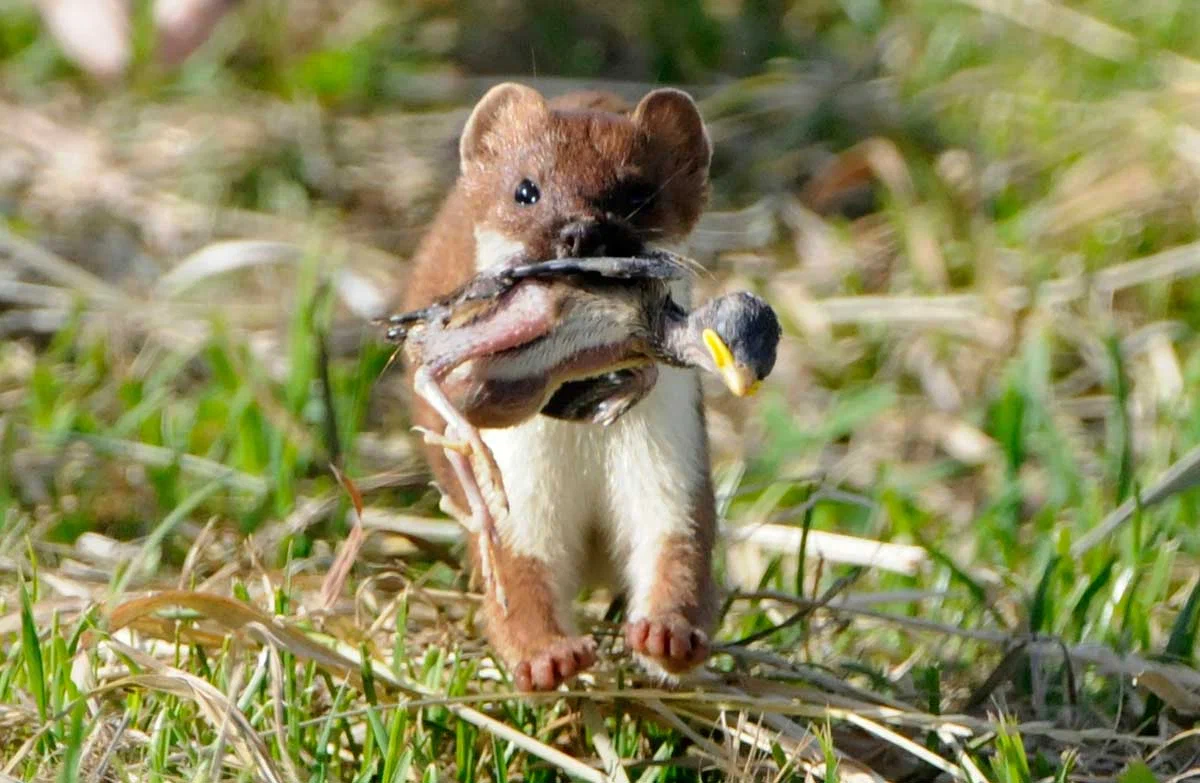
(493, 248)
(633, 483)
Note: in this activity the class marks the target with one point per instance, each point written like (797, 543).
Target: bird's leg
(477, 473)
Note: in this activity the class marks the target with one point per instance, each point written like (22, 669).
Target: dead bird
(579, 338)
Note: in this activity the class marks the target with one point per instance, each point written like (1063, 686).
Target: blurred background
(977, 218)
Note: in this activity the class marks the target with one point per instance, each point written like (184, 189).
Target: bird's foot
(670, 642)
(401, 321)
(452, 509)
(558, 662)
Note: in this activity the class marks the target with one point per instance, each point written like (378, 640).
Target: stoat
(584, 176)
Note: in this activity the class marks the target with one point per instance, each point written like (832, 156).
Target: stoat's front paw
(670, 642)
(558, 662)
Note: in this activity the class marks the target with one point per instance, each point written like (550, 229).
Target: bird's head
(740, 334)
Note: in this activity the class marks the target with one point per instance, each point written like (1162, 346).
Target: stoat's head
(544, 181)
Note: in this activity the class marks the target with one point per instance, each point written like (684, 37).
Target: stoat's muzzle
(590, 237)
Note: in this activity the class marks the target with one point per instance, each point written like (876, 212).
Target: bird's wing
(527, 314)
(474, 299)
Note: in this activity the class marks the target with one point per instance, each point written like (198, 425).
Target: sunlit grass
(984, 367)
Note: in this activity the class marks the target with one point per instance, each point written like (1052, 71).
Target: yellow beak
(738, 378)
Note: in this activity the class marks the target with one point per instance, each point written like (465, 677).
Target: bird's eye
(527, 193)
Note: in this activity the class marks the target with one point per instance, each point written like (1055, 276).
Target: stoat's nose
(581, 238)
(591, 237)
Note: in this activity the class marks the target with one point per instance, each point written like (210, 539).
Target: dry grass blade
(834, 547)
(239, 617)
(1171, 692)
(905, 744)
(34, 295)
(679, 724)
(1173, 264)
(1183, 475)
(437, 531)
(161, 457)
(1103, 658)
(43, 612)
(603, 743)
(233, 616)
(215, 706)
(799, 742)
(968, 311)
(1079, 29)
(220, 258)
(278, 705)
(58, 270)
(339, 571)
(100, 773)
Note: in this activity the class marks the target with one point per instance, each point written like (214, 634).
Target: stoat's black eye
(527, 193)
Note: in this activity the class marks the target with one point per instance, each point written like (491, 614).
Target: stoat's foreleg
(664, 520)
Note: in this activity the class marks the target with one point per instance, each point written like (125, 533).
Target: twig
(56, 269)
(161, 457)
(833, 547)
(1182, 475)
(834, 590)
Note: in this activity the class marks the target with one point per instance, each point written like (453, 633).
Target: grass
(987, 386)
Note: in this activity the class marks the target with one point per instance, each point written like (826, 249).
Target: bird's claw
(462, 446)
(452, 509)
(400, 324)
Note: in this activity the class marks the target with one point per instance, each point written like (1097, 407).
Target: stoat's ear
(671, 117)
(505, 110)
